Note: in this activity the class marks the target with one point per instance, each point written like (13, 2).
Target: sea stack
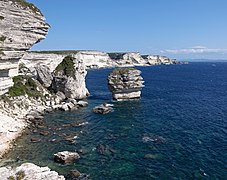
(125, 83)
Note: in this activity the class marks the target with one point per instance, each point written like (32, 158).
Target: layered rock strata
(159, 60)
(125, 83)
(21, 26)
(131, 59)
(93, 59)
(29, 171)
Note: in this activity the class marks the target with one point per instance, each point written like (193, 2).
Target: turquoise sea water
(177, 130)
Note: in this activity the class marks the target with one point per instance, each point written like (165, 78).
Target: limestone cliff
(158, 60)
(93, 59)
(21, 26)
(29, 171)
(69, 78)
(131, 59)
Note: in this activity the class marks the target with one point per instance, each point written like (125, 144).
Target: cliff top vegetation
(24, 85)
(122, 71)
(66, 67)
(26, 4)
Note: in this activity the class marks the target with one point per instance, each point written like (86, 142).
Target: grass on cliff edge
(2, 38)
(26, 4)
(66, 66)
(122, 71)
(24, 85)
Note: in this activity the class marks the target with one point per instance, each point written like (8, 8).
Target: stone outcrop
(102, 109)
(51, 60)
(21, 26)
(29, 171)
(66, 157)
(69, 78)
(27, 105)
(131, 59)
(125, 83)
(158, 60)
(95, 59)
(44, 75)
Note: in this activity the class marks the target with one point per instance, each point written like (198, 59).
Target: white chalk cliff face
(156, 60)
(21, 26)
(93, 59)
(133, 58)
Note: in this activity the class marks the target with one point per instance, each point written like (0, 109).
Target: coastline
(15, 119)
(11, 129)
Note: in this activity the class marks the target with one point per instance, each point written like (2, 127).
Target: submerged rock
(35, 140)
(76, 175)
(104, 150)
(102, 109)
(155, 138)
(44, 133)
(125, 83)
(66, 157)
(82, 103)
(151, 156)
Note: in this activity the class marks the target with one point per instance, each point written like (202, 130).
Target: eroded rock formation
(21, 26)
(29, 171)
(66, 157)
(69, 78)
(158, 60)
(125, 83)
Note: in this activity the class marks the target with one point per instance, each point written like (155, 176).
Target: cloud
(195, 50)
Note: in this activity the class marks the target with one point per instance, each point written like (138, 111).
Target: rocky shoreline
(35, 83)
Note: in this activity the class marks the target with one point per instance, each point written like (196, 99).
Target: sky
(182, 29)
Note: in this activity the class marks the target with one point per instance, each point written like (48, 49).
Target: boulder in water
(102, 109)
(66, 157)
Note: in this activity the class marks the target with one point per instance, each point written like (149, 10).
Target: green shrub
(1, 17)
(122, 71)
(116, 56)
(11, 178)
(24, 85)
(66, 66)
(20, 175)
(26, 4)
(2, 38)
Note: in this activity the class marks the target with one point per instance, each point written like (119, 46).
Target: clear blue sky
(176, 28)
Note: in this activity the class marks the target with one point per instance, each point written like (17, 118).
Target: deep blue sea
(177, 130)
